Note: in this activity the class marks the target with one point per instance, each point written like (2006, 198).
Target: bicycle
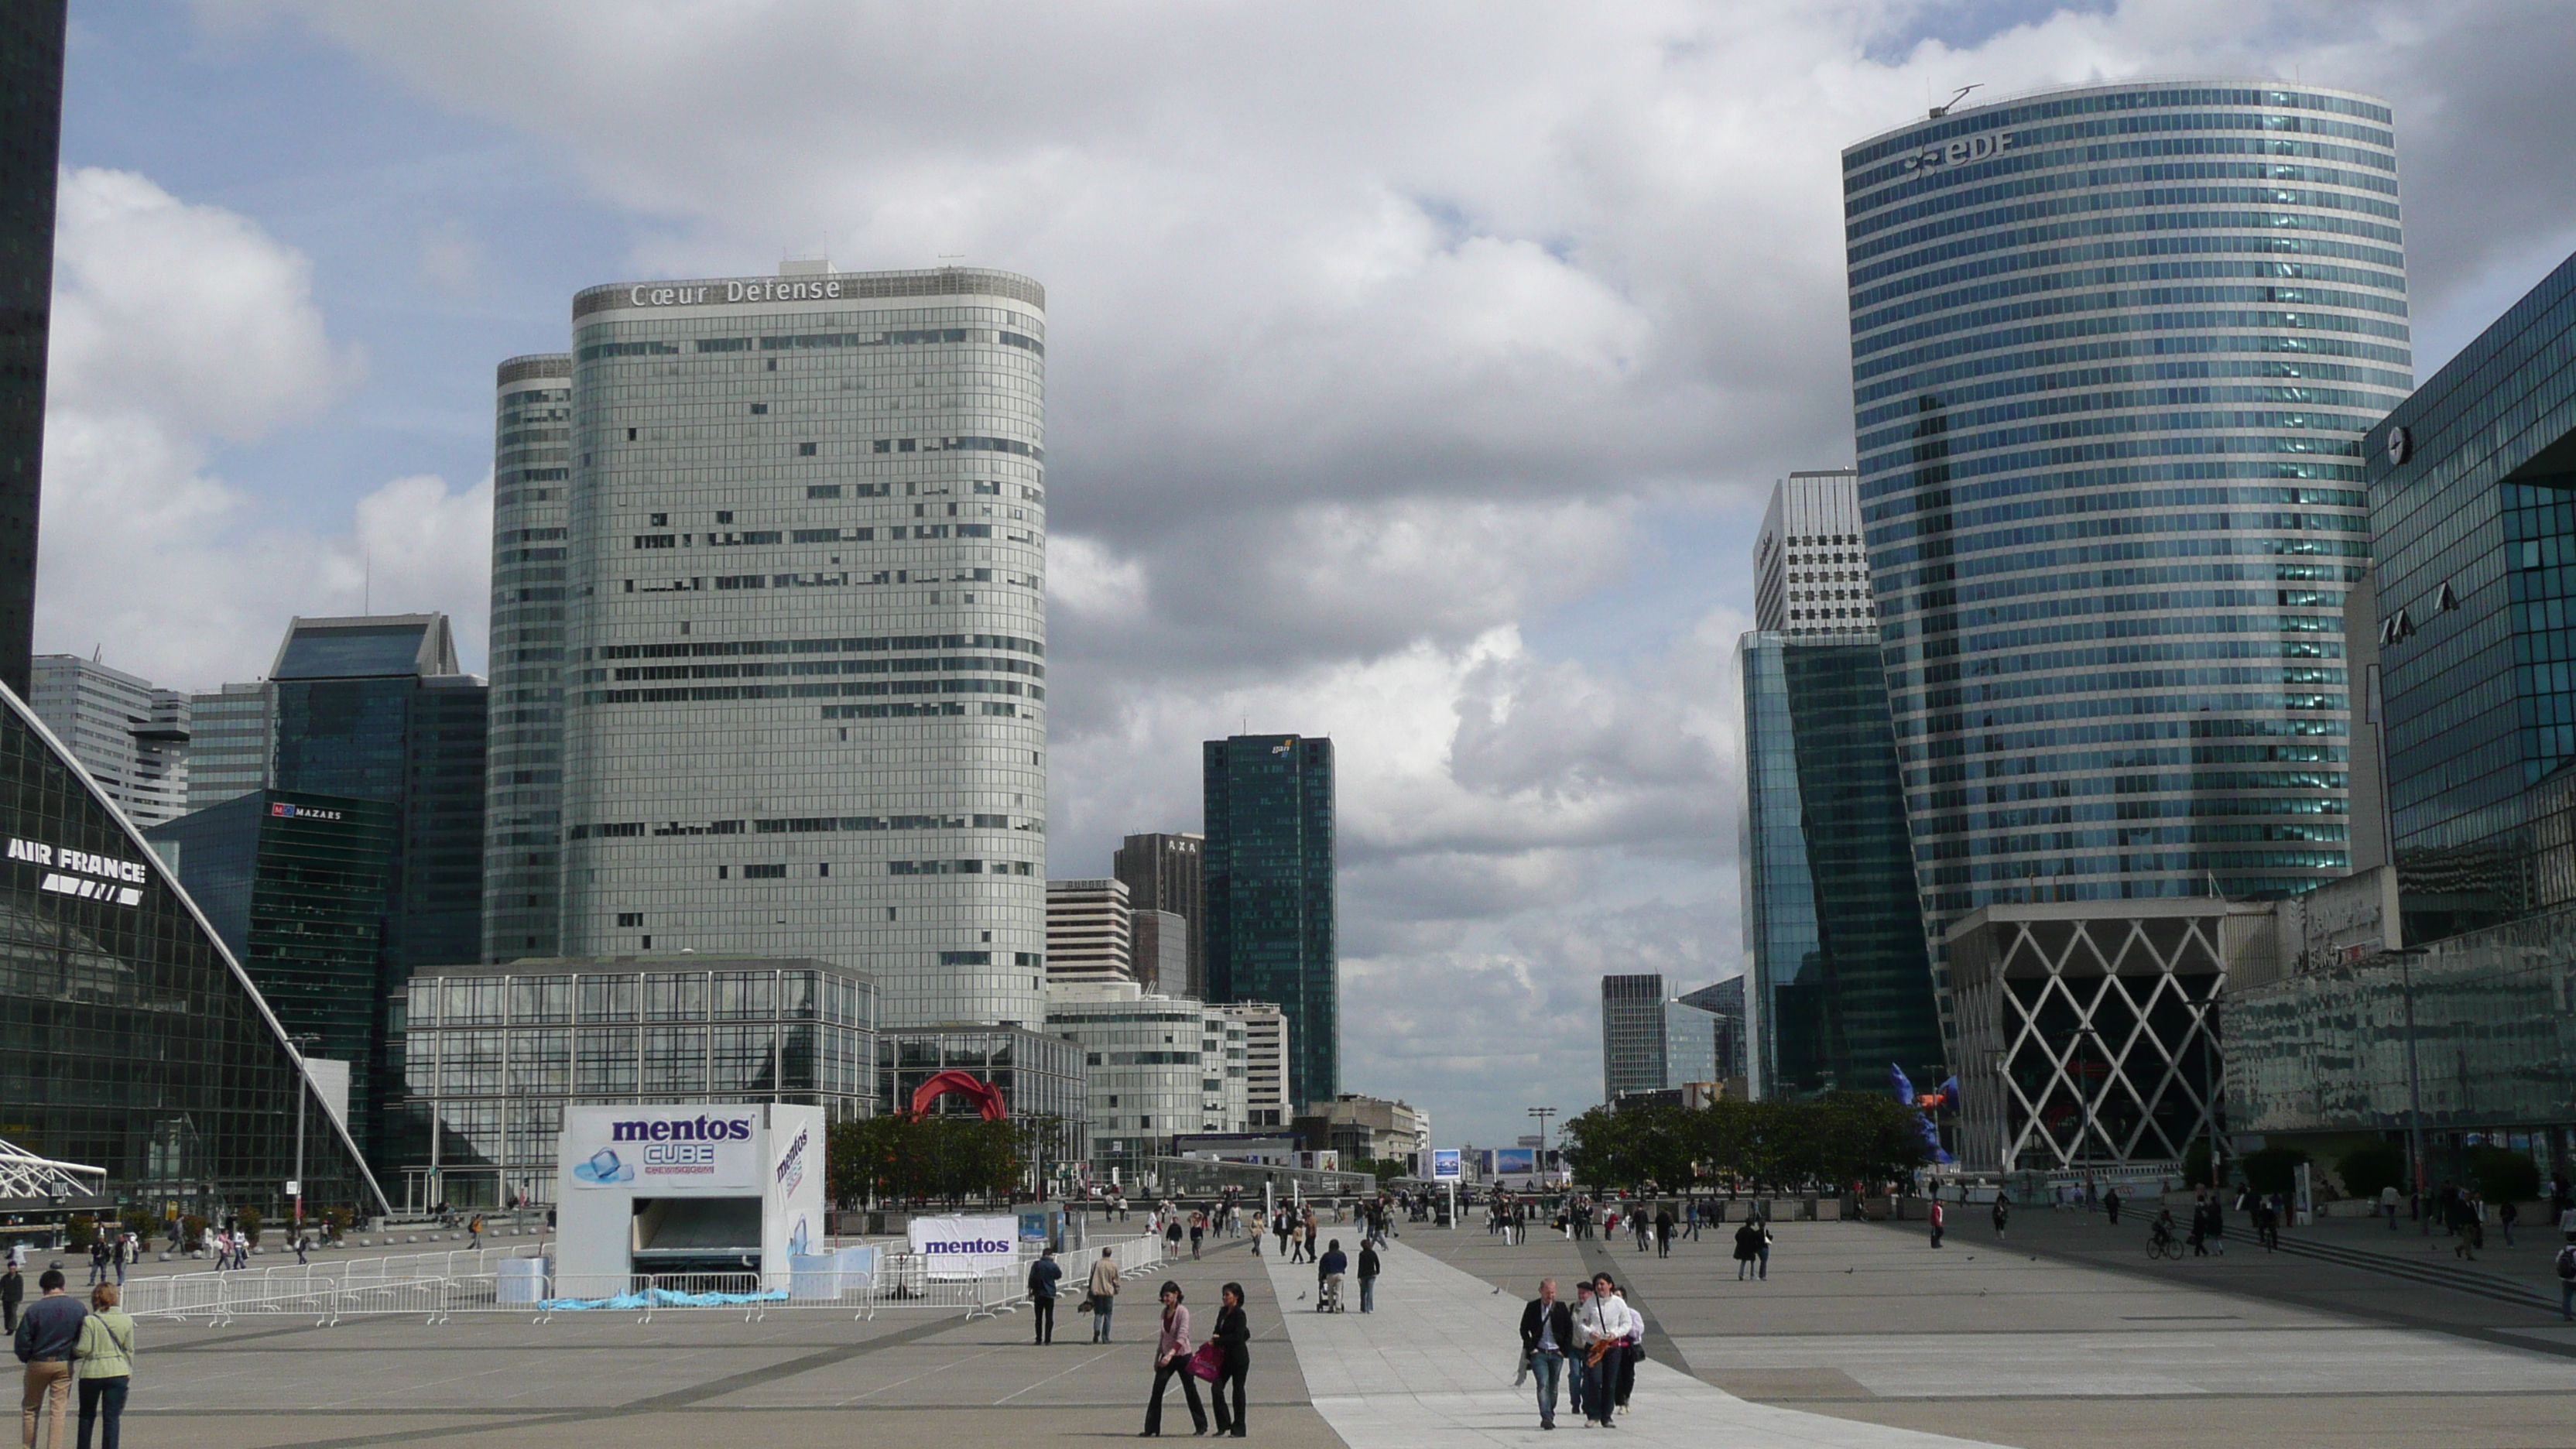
(2163, 1245)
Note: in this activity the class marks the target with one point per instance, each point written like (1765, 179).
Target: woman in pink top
(1171, 1360)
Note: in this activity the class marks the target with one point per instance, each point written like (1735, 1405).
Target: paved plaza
(1863, 1337)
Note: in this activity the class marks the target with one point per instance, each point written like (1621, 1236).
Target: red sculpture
(986, 1097)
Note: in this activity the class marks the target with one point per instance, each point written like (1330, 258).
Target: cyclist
(2160, 1236)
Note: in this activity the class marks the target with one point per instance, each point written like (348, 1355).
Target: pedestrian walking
(1171, 1361)
(1101, 1293)
(2567, 1279)
(47, 1333)
(474, 1231)
(2388, 1205)
(1044, 1274)
(1664, 1231)
(1328, 1278)
(1370, 1266)
(103, 1365)
(97, 1261)
(2111, 1206)
(1748, 1243)
(1198, 1231)
(1279, 1225)
(1631, 1349)
(1172, 1236)
(1547, 1331)
(1600, 1330)
(1939, 1220)
(2506, 1216)
(129, 1249)
(2003, 1213)
(1234, 1343)
(1310, 1235)
(13, 1291)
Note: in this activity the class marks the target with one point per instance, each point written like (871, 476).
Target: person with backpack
(2567, 1280)
(1044, 1274)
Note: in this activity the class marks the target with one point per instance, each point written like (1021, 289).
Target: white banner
(662, 1151)
(964, 1247)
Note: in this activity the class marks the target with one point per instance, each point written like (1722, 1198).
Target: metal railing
(439, 1286)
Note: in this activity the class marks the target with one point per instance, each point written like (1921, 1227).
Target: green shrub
(2367, 1170)
(81, 1230)
(249, 1220)
(2504, 1175)
(2274, 1169)
(2196, 1167)
(192, 1229)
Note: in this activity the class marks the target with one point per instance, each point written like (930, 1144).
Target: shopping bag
(1208, 1362)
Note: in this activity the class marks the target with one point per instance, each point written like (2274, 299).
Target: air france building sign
(648, 1152)
(1961, 151)
(79, 874)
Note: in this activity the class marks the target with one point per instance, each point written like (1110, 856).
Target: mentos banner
(651, 1151)
(965, 1247)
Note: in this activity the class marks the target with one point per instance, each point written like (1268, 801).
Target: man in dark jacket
(13, 1291)
(1044, 1274)
(46, 1333)
(1369, 1268)
(1547, 1335)
(1328, 1278)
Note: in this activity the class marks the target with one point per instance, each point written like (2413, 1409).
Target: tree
(2196, 1167)
(2274, 1169)
(2504, 1175)
(2368, 1169)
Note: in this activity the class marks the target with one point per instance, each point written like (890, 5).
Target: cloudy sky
(1418, 372)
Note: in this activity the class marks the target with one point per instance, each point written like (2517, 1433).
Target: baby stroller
(1329, 1298)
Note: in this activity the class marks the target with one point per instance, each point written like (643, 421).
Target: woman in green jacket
(103, 1362)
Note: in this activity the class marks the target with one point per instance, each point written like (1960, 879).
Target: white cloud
(180, 329)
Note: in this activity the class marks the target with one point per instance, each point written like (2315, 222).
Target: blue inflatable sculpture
(1948, 1096)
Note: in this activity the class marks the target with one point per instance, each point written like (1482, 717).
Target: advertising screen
(963, 1247)
(1515, 1161)
(649, 1150)
(1444, 1162)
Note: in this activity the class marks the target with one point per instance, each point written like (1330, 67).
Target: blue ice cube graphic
(603, 1166)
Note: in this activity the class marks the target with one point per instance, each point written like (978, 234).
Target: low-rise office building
(1088, 935)
(1158, 1066)
(1367, 1129)
(1265, 1061)
(492, 1054)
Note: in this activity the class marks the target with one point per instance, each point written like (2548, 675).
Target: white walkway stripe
(1432, 1369)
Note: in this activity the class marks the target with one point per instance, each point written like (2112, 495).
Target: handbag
(1208, 1362)
(1090, 1303)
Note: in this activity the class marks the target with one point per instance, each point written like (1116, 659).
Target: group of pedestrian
(1599, 1336)
(1223, 1361)
(1753, 1250)
(74, 1351)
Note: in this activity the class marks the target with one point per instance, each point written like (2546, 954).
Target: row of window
(2321, 187)
(1889, 234)
(1948, 842)
(2149, 325)
(2074, 390)
(631, 996)
(1881, 282)
(706, 694)
(2286, 357)
(821, 579)
(703, 649)
(801, 825)
(2147, 112)
(1906, 254)
(1914, 718)
(2027, 152)
(1892, 527)
(763, 537)
(2283, 283)
(1962, 543)
(2196, 785)
(1963, 459)
(810, 667)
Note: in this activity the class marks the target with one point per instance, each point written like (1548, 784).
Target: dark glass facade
(129, 1038)
(31, 133)
(523, 796)
(1164, 873)
(296, 885)
(2114, 352)
(1272, 932)
(1632, 1034)
(1841, 985)
(2473, 511)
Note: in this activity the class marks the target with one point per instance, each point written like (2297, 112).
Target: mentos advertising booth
(736, 1188)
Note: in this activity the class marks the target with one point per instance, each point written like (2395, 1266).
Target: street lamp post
(1542, 1114)
(2084, 1095)
(303, 1090)
(2414, 1079)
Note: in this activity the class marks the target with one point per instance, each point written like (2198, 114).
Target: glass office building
(2473, 508)
(31, 134)
(2113, 353)
(807, 629)
(1839, 986)
(1632, 1034)
(232, 739)
(493, 1054)
(298, 887)
(1267, 868)
(523, 790)
(130, 734)
(129, 1037)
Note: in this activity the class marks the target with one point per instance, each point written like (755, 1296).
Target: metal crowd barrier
(438, 1286)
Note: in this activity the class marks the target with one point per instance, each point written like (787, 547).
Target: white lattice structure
(25, 1177)
(2088, 1030)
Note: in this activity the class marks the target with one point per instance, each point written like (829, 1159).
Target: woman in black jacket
(1234, 1335)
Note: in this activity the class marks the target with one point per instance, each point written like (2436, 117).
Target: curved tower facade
(805, 705)
(523, 795)
(2113, 354)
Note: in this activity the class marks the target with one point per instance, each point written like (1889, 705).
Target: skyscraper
(1271, 919)
(1166, 873)
(523, 789)
(2113, 353)
(232, 743)
(1632, 1034)
(377, 708)
(1089, 937)
(1809, 575)
(130, 734)
(1162, 952)
(806, 630)
(1725, 1001)
(31, 134)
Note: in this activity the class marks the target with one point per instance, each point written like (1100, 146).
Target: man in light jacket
(1103, 1289)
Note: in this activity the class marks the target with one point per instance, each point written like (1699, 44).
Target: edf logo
(1965, 149)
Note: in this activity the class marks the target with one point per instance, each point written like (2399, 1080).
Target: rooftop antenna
(1951, 104)
(97, 652)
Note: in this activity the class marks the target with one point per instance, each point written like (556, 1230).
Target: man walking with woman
(1603, 1325)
